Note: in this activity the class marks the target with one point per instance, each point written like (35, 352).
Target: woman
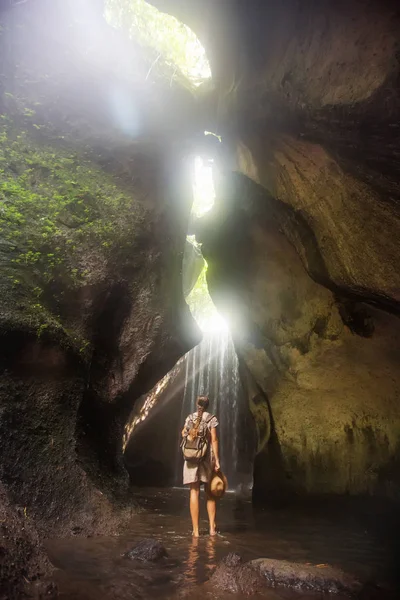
(195, 475)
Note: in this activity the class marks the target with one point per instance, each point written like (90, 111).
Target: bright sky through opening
(173, 44)
(201, 306)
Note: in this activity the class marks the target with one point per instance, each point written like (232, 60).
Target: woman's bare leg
(212, 511)
(195, 507)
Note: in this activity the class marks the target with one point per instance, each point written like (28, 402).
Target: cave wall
(307, 103)
(152, 451)
(324, 381)
(303, 241)
(95, 202)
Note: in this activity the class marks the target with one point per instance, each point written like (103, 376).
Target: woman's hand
(217, 466)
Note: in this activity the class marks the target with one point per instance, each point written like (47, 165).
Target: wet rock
(232, 575)
(111, 318)
(304, 348)
(23, 561)
(232, 560)
(319, 578)
(235, 576)
(147, 550)
(149, 457)
(324, 179)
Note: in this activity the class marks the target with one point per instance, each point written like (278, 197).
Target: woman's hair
(202, 405)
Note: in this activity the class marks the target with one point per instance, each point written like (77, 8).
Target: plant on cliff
(51, 201)
(176, 50)
(202, 307)
(57, 206)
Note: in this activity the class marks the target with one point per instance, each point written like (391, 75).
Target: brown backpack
(196, 444)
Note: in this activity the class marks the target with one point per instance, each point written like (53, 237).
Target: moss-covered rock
(321, 371)
(59, 208)
(94, 205)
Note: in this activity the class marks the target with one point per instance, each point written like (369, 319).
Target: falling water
(212, 367)
(212, 370)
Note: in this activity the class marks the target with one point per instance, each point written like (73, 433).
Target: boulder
(306, 577)
(147, 550)
(232, 575)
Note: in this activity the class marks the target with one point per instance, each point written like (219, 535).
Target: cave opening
(172, 49)
(210, 368)
(287, 270)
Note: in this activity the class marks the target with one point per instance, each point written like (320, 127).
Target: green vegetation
(57, 207)
(52, 200)
(198, 299)
(202, 307)
(177, 52)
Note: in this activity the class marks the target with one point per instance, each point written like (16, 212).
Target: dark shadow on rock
(147, 550)
(268, 464)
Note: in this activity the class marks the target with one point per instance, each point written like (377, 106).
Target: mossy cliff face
(93, 222)
(307, 103)
(321, 371)
(302, 247)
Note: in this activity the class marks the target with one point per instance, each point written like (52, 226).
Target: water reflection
(190, 572)
(201, 560)
(96, 569)
(211, 556)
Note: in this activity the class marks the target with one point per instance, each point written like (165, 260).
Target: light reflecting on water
(94, 569)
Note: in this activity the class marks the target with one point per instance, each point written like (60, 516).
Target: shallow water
(359, 542)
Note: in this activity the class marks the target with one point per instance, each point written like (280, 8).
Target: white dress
(201, 472)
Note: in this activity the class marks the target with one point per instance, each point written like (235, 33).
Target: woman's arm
(185, 429)
(214, 443)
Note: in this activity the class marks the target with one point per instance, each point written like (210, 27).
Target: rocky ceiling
(306, 99)
(304, 242)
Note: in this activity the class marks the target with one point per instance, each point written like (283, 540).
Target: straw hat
(218, 485)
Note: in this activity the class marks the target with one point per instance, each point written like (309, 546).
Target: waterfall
(153, 435)
(212, 369)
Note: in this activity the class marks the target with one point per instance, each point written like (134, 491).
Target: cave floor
(360, 542)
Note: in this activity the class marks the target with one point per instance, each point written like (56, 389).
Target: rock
(150, 458)
(147, 550)
(309, 269)
(23, 558)
(305, 577)
(92, 313)
(232, 575)
(321, 371)
(193, 263)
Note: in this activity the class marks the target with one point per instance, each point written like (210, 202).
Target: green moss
(174, 51)
(51, 201)
(56, 206)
